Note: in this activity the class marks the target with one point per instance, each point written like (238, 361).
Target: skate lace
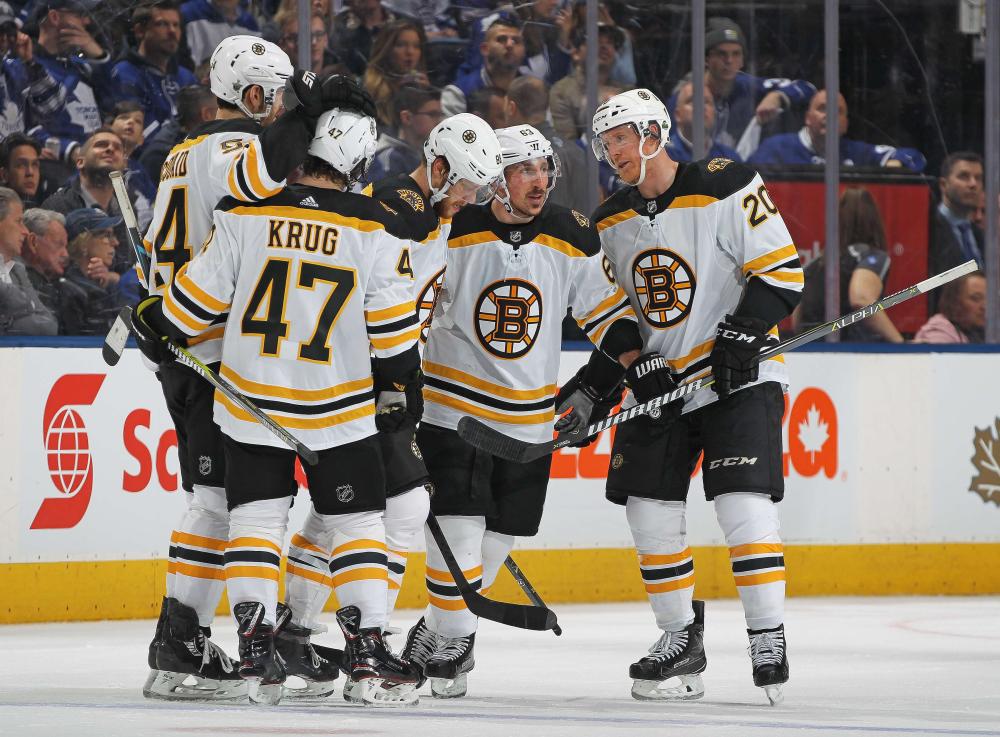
(669, 645)
(211, 651)
(451, 648)
(766, 648)
(425, 643)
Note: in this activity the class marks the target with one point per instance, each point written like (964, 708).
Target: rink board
(892, 466)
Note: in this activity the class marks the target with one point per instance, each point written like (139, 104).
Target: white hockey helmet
(521, 143)
(640, 108)
(239, 62)
(472, 151)
(345, 139)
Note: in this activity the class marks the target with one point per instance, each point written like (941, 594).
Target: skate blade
(169, 686)
(265, 694)
(449, 688)
(398, 695)
(690, 688)
(774, 694)
(296, 687)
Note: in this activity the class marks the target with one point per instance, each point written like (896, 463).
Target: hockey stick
(494, 442)
(522, 616)
(232, 393)
(529, 590)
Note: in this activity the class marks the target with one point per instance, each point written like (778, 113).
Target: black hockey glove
(304, 92)
(649, 377)
(147, 321)
(736, 355)
(586, 405)
(342, 91)
(398, 406)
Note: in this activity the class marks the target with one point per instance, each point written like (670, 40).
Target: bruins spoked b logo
(427, 302)
(664, 285)
(508, 317)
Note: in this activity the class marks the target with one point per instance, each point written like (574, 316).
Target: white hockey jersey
(494, 344)
(221, 159)
(309, 277)
(686, 258)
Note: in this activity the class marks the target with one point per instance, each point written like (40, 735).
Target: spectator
(978, 216)
(46, 259)
(682, 133)
(571, 23)
(961, 315)
(207, 22)
(92, 247)
(287, 26)
(195, 105)
(72, 56)
(864, 265)
(398, 56)
(488, 104)
(543, 57)
(808, 146)
(354, 30)
(25, 85)
(22, 311)
(954, 238)
(19, 167)
(568, 95)
(434, 15)
(503, 52)
(416, 110)
(100, 155)
(149, 74)
(126, 120)
(743, 103)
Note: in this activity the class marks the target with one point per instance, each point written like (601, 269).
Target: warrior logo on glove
(664, 285)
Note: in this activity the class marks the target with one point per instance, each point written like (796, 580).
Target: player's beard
(99, 175)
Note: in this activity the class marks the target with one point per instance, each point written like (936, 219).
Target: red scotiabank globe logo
(67, 450)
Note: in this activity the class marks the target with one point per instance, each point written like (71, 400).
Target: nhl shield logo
(617, 461)
(345, 493)
(515, 236)
(469, 136)
(651, 207)
(416, 450)
(204, 465)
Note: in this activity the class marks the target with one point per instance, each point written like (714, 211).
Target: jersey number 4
(170, 243)
(265, 311)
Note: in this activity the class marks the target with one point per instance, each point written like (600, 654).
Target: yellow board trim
(132, 589)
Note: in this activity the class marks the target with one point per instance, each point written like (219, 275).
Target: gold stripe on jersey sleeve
(772, 257)
(691, 200)
(299, 395)
(185, 145)
(472, 239)
(618, 217)
(388, 313)
(369, 190)
(234, 188)
(407, 337)
(606, 304)
(433, 235)
(446, 372)
(597, 334)
(198, 294)
(295, 422)
(304, 213)
(256, 183)
(792, 277)
(560, 245)
(470, 409)
(212, 334)
(179, 315)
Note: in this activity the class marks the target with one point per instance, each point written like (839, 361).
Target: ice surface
(913, 666)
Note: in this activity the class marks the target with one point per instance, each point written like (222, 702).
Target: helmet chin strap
(509, 206)
(436, 194)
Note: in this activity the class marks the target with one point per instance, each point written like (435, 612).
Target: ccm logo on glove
(735, 335)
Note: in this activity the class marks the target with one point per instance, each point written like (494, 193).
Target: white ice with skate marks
(883, 666)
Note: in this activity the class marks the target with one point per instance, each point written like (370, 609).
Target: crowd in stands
(90, 88)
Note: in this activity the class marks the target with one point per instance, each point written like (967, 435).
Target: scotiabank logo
(810, 419)
(67, 449)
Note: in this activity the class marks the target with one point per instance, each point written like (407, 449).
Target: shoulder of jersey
(716, 177)
(571, 226)
(400, 196)
(471, 219)
(232, 125)
(618, 202)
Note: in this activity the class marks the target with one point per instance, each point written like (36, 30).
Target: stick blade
(522, 616)
(117, 337)
(494, 442)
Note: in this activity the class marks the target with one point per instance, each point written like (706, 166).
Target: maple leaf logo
(813, 433)
(986, 459)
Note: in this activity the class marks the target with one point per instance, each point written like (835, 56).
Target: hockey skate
(678, 655)
(449, 666)
(376, 677)
(260, 665)
(185, 665)
(315, 666)
(770, 661)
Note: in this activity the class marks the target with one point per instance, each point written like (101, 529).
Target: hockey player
(453, 173)
(514, 267)
(310, 279)
(710, 270)
(242, 155)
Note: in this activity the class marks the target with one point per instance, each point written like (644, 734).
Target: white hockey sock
(496, 548)
(253, 556)
(308, 584)
(405, 515)
(447, 613)
(659, 530)
(196, 569)
(358, 565)
(750, 524)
